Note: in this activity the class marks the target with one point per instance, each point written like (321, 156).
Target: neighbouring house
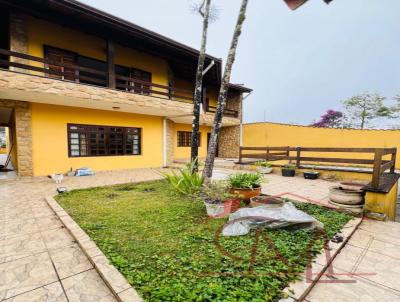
(82, 88)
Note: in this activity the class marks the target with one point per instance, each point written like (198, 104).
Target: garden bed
(169, 250)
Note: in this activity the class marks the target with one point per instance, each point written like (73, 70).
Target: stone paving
(367, 269)
(39, 261)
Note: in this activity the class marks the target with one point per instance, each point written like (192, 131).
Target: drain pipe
(165, 163)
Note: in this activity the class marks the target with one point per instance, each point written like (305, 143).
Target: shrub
(263, 164)
(245, 180)
(290, 167)
(185, 182)
(216, 192)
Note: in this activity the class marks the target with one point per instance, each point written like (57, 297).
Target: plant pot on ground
(311, 174)
(289, 170)
(263, 167)
(245, 185)
(217, 199)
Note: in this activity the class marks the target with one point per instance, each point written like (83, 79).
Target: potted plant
(289, 170)
(263, 167)
(217, 199)
(245, 185)
(311, 174)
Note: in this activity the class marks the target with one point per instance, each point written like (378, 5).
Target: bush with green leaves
(216, 192)
(245, 180)
(185, 181)
(290, 167)
(263, 164)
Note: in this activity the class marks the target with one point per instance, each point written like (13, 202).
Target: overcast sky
(298, 63)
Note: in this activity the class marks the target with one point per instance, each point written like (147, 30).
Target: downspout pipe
(165, 160)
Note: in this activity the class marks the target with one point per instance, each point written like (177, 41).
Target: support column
(21, 134)
(111, 64)
(168, 142)
(229, 142)
(18, 38)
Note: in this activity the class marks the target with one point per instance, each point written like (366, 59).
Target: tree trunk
(198, 89)
(209, 165)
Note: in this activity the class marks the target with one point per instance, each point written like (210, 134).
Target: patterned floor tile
(26, 274)
(88, 287)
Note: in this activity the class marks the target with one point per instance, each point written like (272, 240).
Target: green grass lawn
(169, 250)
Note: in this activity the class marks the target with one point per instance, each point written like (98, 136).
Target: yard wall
(271, 134)
(50, 143)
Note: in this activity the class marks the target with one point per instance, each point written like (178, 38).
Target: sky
(299, 63)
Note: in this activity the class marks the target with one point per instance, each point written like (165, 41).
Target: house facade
(82, 88)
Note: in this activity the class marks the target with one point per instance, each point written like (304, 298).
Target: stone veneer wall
(170, 142)
(229, 138)
(235, 103)
(229, 142)
(23, 131)
(18, 37)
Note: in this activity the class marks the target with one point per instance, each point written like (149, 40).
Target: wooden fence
(296, 154)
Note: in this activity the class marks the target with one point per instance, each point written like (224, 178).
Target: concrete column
(18, 37)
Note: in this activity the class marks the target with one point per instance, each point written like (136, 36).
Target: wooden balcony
(37, 66)
(227, 112)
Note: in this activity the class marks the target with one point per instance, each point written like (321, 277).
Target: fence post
(240, 154)
(298, 150)
(393, 159)
(376, 174)
(267, 154)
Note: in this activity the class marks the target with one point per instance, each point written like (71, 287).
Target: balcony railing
(227, 112)
(79, 74)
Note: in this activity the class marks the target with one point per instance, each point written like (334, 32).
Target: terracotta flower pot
(245, 193)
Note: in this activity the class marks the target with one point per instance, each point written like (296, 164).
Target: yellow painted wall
(50, 144)
(184, 152)
(383, 203)
(42, 33)
(270, 134)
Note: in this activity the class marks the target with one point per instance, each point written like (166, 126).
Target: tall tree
(223, 92)
(204, 11)
(331, 119)
(363, 108)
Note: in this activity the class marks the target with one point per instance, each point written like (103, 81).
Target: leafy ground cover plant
(245, 180)
(169, 251)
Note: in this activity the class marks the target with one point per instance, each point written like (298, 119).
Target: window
(142, 77)
(89, 77)
(185, 139)
(90, 140)
(60, 56)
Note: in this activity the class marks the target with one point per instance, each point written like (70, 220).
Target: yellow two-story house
(82, 88)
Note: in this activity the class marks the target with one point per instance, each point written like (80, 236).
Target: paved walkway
(367, 269)
(40, 262)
